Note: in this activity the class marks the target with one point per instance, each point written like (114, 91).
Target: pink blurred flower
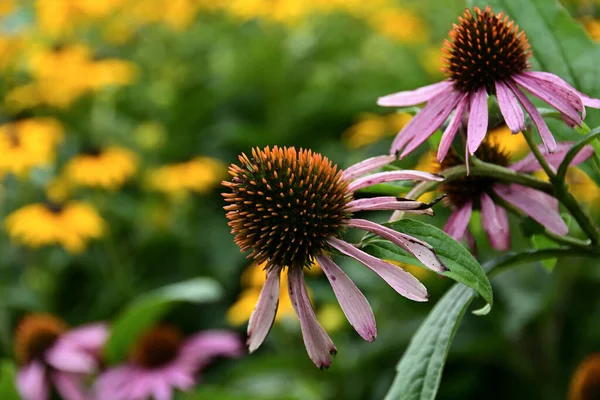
(51, 355)
(487, 55)
(163, 361)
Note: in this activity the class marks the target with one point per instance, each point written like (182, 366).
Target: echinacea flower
(163, 361)
(51, 355)
(291, 208)
(107, 169)
(70, 225)
(487, 55)
(480, 193)
(585, 382)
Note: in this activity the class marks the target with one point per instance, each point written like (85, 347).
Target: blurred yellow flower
(198, 175)
(370, 128)
(7, 7)
(431, 61)
(57, 18)
(583, 187)
(400, 25)
(331, 317)
(513, 144)
(28, 143)
(106, 169)
(592, 26)
(11, 48)
(69, 225)
(62, 75)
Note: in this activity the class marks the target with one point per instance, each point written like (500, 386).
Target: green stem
(548, 169)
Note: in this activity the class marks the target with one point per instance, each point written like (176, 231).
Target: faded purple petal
(510, 108)
(545, 133)
(418, 248)
(32, 383)
(114, 383)
(569, 91)
(392, 176)
(388, 203)
(568, 103)
(539, 206)
(459, 221)
(65, 357)
(414, 97)
(478, 120)
(353, 302)
(452, 128)
(207, 345)
(425, 123)
(589, 101)
(162, 389)
(318, 344)
(495, 223)
(531, 164)
(366, 166)
(69, 386)
(263, 315)
(89, 337)
(400, 280)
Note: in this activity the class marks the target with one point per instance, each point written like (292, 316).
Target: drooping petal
(65, 357)
(400, 280)
(90, 337)
(162, 389)
(353, 302)
(510, 108)
(452, 128)
(459, 221)
(577, 99)
(32, 383)
(495, 223)
(589, 101)
(69, 386)
(554, 95)
(418, 248)
(414, 97)
(115, 383)
(539, 206)
(392, 176)
(545, 134)
(263, 315)
(531, 164)
(207, 345)
(367, 166)
(318, 344)
(389, 203)
(478, 120)
(422, 125)
(427, 121)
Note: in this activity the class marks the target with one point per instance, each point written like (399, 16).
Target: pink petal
(318, 344)
(64, 357)
(353, 302)
(545, 133)
(554, 95)
(32, 382)
(414, 97)
(538, 205)
(392, 176)
(421, 250)
(589, 101)
(531, 164)
(206, 345)
(366, 166)
(89, 337)
(69, 386)
(161, 389)
(400, 280)
(115, 383)
(388, 203)
(422, 125)
(425, 123)
(478, 120)
(263, 315)
(510, 108)
(459, 221)
(576, 98)
(495, 223)
(452, 128)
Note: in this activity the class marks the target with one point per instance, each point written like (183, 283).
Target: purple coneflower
(477, 193)
(51, 355)
(290, 208)
(487, 55)
(162, 361)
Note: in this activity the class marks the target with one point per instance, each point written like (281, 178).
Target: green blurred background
(136, 107)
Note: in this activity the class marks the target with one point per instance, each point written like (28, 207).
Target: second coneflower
(291, 207)
(486, 55)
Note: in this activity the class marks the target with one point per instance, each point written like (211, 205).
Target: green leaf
(462, 265)
(146, 310)
(543, 242)
(8, 390)
(419, 371)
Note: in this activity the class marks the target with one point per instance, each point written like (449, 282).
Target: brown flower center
(585, 384)
(35, 334)
(157, 347)
(284, 205)
(483, 49)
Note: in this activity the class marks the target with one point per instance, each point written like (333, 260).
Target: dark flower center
(157, 347)
(285, 204)
(470, 188)
(35, 334)
(483, 49)
(93, 151)
(585, 384)
(54, 207)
